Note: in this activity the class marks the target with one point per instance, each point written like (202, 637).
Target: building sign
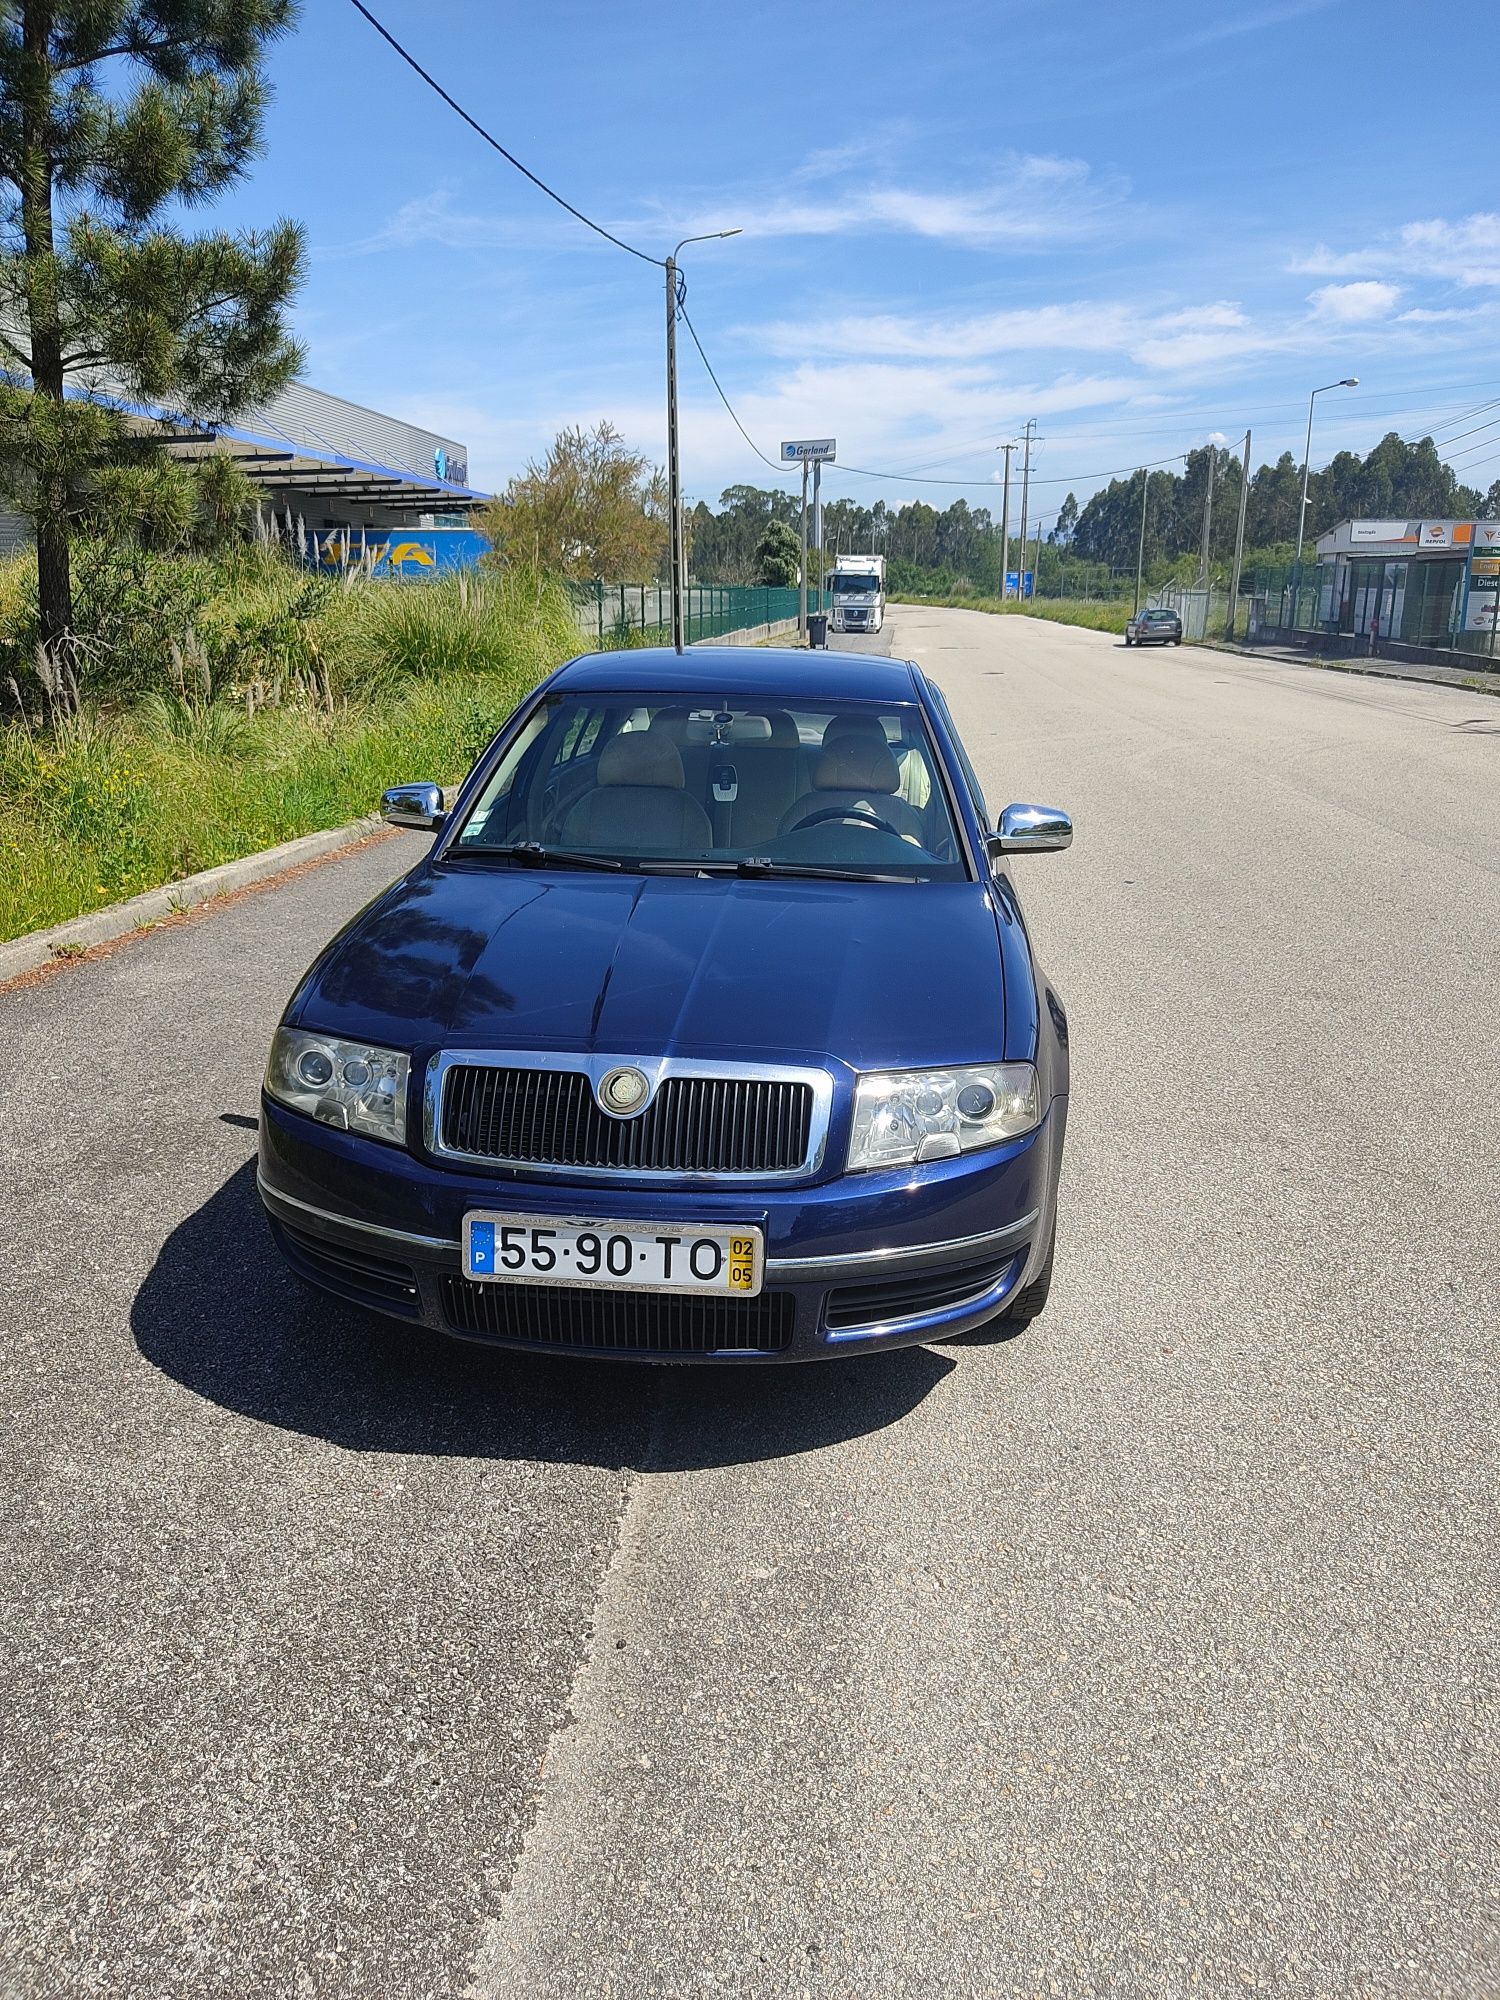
(1380, 531)
(810, 451)
(1484, 594)
(1437, 535)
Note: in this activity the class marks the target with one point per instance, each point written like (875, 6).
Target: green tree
(592, 508)
(114, 114)
(778, 556)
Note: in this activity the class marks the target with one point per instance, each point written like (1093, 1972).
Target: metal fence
(640, 614)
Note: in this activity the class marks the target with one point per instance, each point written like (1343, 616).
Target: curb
(751, 635)
(24, 954)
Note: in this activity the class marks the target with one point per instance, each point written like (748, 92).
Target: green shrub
(286, 706)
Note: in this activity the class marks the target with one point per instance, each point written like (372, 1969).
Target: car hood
(873, 974)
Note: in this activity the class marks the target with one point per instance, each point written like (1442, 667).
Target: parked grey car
(1155, 626)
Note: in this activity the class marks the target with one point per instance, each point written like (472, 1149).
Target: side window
(971, 776)
(580, 736)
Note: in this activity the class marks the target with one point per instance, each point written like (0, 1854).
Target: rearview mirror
(1030, 830)
(417, 806)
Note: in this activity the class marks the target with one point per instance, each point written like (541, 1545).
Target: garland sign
(810, 451)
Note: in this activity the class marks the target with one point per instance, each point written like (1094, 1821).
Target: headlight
(908, 1115)
(347, 1084)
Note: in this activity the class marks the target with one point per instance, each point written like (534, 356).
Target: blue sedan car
(707, 1028)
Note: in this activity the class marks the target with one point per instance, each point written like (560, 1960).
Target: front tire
(1029, 1305)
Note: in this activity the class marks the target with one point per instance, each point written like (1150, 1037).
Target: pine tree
(112, 113)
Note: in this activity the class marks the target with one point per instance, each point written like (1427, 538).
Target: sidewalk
(1478, 681)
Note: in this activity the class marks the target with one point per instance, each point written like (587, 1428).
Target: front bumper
(860, 1262)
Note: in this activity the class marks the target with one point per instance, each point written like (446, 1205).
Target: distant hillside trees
(1395, 480)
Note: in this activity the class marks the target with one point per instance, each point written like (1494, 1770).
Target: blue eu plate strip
(481, 1246)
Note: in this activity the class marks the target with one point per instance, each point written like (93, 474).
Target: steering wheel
(856, 813)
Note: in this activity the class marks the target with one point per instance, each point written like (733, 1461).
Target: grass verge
(1095, 616)
(405, 683)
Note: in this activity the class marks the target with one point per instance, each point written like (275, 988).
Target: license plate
(635, 1256)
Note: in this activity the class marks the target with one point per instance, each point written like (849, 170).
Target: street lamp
(1346, 382)
(674, 466)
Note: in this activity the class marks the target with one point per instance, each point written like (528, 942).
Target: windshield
(660, 783)
(846, 584)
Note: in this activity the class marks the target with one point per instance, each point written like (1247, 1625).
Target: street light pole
(1345, 382)
(675, 551)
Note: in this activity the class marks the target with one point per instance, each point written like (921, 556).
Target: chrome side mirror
(1030, 830)
(417, 806)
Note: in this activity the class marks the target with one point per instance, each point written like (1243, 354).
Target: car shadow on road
(220, 1313)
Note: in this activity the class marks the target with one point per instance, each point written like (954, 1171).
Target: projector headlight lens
(349, 1085)
(902, 1116)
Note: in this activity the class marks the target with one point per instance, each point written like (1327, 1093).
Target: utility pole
(802, 586)
(676, 566)
(1208, 517)
(674, 464)
(1005, 525)
(1025, 498)
(1140, 553)
(1239, 540)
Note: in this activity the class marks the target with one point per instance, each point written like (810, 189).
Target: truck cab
(857, 591)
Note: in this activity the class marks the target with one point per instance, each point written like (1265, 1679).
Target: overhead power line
(490, 140)
(774, 464)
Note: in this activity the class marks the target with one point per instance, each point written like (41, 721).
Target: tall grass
(280, 715)
(1095, 616)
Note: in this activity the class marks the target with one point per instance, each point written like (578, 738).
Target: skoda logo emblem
(623, 1091)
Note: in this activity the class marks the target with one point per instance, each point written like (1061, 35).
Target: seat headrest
(862, 728)
(855, 765)
(642, 757)
(750, 729)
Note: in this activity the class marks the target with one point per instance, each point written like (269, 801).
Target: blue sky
(1143, 225)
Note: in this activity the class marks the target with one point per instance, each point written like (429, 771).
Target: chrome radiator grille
(694, 1124)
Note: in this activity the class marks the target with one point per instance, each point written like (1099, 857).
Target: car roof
(766, 672)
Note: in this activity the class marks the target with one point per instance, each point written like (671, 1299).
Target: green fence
(1370, 602)
(640, 614)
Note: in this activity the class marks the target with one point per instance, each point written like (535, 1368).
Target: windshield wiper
(761, 865)
(532, 854)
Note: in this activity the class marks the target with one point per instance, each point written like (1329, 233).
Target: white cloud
(1027, 200)
(1363, 300)
(1462, 251)
(1250, 24)
(1215, 329)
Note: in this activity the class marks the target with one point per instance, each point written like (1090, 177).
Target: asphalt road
(1151, 1654)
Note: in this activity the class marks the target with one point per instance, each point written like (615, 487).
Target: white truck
(858, 588)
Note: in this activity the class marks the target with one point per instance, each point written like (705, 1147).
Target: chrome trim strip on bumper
(858, 1263)
(270, 1194)
(901, 1257)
